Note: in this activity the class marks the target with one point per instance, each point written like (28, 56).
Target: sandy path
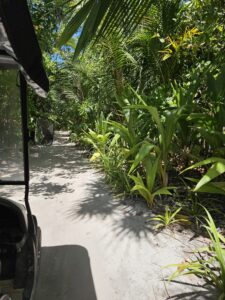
(94, 246)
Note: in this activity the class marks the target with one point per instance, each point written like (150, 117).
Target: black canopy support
(23, 96)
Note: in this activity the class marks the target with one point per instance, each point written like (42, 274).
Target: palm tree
(100, 18)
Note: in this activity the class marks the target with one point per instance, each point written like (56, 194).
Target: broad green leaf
(90, 141)
(139, 187)
(143, 191)
(134, 149)
(115, 139)
(137, 179)
(213, 188)
(75, 23)
(159, 225)
(154, 113)
(157, 218)
(216, 169)
(207, 161)
(163, 191)
(92, 22)
(123, 131)
(104, 18)
(169, 130)
(151, 167)
(145, 149)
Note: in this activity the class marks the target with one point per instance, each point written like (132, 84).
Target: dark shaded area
(202, 292)
(46, 159)
(65, 273)
(66, 161)
(11, 165)
(49, 189)
(46, 129)
(200, 295)
(100, 203)
(133, 224)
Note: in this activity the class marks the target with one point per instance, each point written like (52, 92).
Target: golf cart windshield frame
(25, 132)
(18, 41)
(24, 129)
(25, 136)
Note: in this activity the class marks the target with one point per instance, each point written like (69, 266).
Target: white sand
(94, 246)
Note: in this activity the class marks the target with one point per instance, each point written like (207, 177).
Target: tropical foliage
(168, 218)
(209, 262)
(146, 95)
(141, 85)
(159, 94)
(103, 18)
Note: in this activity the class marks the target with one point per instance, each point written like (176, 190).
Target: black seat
(13, 231)
(13, 225)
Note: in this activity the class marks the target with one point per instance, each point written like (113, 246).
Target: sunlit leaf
(216, 169)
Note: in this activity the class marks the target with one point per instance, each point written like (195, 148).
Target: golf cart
(20, 65)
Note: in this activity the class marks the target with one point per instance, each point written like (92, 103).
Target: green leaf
(140, 99)
(145, 149)
(151, 166)
(123, 131)
(175, 213)
(217, 169)
(137, 179)
(91, 24)
(192, 179)
(166, 56)
(139, 187)
(169, 130)
(154, 113)
(75, 23)
(103, 18)
(163, 191)
(207, 161)
(198, 116)
(213, 187)
(143, 192)
(115, 139)
(215, 238)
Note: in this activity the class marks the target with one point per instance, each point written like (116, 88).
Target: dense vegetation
(141, 85)
(150, 106)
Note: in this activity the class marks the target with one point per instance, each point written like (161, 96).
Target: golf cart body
(20, 64)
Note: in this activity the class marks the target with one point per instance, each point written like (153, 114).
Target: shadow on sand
(46, 164)
(100, 203)
(65, 274)
(202, 292)
(64, 158)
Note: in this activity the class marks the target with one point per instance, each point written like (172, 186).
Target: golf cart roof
(19, 45)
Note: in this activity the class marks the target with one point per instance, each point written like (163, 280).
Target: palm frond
(101, 18)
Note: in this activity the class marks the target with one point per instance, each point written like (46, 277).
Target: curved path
(95, 246)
